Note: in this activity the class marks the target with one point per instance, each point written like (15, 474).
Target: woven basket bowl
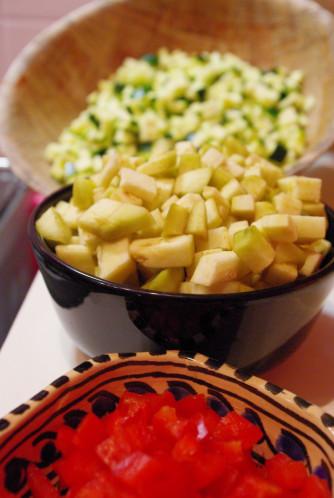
(289, 424)
(48, 83)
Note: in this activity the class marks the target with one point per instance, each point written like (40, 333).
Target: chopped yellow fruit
(231, 189)
(83, 192)
(89, 239)
(165, 188)
(254, 185)
(218, 238)
(253, 249)
(216, 268)
(109, 171)
(168, 280)
(166, 205)
(153, 227)
(312, 263)
(184, 148)
(174, 252)
(220, 177)
(280, 273)
(213, 217)
(53, 228)
(243, 206)
(212, 158)
(160, 166)
(114, 261)
(138, 184)
(235, 169)
(188, 162)
(289, 253)
(197, 222)
(262, 208)
(287, 204)
(191, 288)
(192, 181)
(69, 213)
(197, 256)
(176, 221)
(270, 173)
(76, 255)
(313, 209)
(236, 227)
(189, 200)
(310, 228)
(321, 246)
(117, 194)
(278, 227)
(303, 188)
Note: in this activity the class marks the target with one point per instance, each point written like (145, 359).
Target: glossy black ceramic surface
(243, 329)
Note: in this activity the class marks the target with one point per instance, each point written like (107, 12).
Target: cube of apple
(262, 208)
(236, 227)
(184, 147)
(255, 185)
(243, 206)
(278, 227)
(117, 194)
(69, 213)
(231, 189)
(287, 204)
(78, 256)
(310, 228)
(289, 253)
(109, 171)
(303, 188)
(83, 192)
(163, 165)
(189, 200)
(234, 168)
(280, 273)
(253, 249)
(114, 261)
(192, 181)
(153, 227)
(212, 158)
(176, 221)
(220, 177)
(112, 220)
(313, 209)
(321, 246)
(230, 288)
(51, 227)
(216, 268)
(213, 217)
(165, 187)
(222, 204)
(100, 193)
(191, 288)
(174, 252)
(168, 280)
(188, 162)
(312, 263)
(197, 256)
(218, 238)
(253, 170)
(89, 240)
(270, 173)
(197, 221)
(138, 184)
(166, 205)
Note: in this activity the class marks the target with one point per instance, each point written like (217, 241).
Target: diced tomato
(65, 436)
(287, 473)
(235, 427)
(78, 467)
(186, 448)
(103, 486)
(251, 486)
(39, 484)
(203, 424)
(189, 405)
(167, 424)
(314, 488)
(90, 432)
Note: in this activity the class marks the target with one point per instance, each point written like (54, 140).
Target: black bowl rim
(102, 285)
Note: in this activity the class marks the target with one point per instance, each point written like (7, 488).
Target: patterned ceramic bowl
(289, 423)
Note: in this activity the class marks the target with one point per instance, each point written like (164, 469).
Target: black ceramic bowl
(247, 329)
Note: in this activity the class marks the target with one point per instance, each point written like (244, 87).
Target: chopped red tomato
(153, 446)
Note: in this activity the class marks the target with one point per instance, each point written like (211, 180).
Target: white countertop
(37, 350)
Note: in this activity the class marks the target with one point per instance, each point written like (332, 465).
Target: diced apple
(174, 252)
(78, 256)
(253, 249)
(321, 246)
(160, 166)
(89, 239)
(168, 280)
(117, 194)
(222, 204)
(262, 208)
(188, 162)
(218, 238)
(278, 227)
(215, 268)
(220, 177)
(212, 158)
(312, 263)
(289, 253)
(213, 217)
(189, 200)
(111, 220)
(75, 239)
(138, 184)
(253, 171)
(99, 193)
(176, 221)
(287, 204)
(310, 228)
(165, 188)
(197, 256)
(230, 288)
(313, 209)
(231, 189)
(303, 188)
(197, 222)
(83, 192)
(254, 185)
(69, 213)
(109, 171)
(236, 227)
(280, 273)
(235, 169)
(243, 206)
(270, 173)
(53, 228)
(192, 181)
(184, 147)
(114, 261)
(191, 288)
(153, 227)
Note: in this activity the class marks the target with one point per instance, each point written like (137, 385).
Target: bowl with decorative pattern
(289, 423)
